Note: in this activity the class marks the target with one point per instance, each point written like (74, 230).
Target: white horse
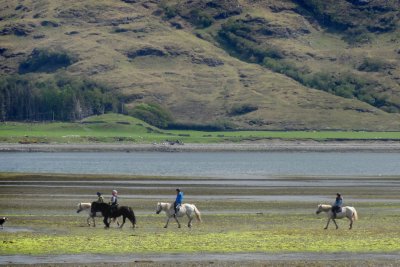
(87, 207)
(348, 212)
(185, 209)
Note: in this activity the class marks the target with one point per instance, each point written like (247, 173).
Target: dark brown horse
(107, 212)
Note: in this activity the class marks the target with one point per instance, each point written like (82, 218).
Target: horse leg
(351, 223)
(123, 221)
(326, 227)
(106, 222)
(337, 227)
(190, 220)
(176, 219)
(166, 225)
(94, 222)
(87, 221)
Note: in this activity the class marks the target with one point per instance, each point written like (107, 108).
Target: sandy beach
(266, 146)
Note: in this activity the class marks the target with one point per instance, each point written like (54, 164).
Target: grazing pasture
(122, 129)
(241, 225)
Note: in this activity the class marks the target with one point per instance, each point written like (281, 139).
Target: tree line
(60, 98)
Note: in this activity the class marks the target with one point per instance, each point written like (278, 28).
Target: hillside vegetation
(214, 65)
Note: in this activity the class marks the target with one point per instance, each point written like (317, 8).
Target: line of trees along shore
(61, 98)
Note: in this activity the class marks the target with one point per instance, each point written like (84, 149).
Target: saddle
(337, 209)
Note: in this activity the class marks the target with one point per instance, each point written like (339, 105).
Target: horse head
(319, 209)
(159, 208)
(79, 208)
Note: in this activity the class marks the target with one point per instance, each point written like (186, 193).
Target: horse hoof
(165, 227)
(325, 228)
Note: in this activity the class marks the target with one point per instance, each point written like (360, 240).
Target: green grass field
(114, 128)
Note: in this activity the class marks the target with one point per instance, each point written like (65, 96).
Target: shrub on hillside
(359, 35)
(355, 19)
(44, 60)
(200, 19)
(221, 125)
(240, 109)
(237, 37)
(152, 113)
(372, 65)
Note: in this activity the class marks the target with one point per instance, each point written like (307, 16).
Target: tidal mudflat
(259, 221)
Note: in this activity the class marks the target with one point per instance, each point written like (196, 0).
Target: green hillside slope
(236, 64)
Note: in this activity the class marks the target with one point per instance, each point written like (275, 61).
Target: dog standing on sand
(2, 221)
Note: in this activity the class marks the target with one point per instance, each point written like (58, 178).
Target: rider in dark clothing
(114, 200)
(100, 198)
(337, 206)
(178, 200)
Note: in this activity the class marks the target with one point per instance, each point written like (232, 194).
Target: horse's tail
(132, 217)
(197, 212)
(355, 215)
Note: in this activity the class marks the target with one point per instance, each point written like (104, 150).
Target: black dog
(2, 221)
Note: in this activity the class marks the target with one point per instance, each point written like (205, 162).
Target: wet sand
(51, 199)
(267, 146)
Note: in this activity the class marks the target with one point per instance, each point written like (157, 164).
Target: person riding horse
(178, 201)
(114, 201)
(337, 206)
(100, 198)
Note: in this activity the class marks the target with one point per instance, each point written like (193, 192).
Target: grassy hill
(235, 64)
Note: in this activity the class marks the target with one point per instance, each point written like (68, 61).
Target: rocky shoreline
(266, 146)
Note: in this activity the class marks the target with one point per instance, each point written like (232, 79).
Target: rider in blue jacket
(337, 206)
(178, 200)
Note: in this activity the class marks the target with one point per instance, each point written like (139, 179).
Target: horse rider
(178, 201)
(114, 200)
(337, 206)
(100, 198)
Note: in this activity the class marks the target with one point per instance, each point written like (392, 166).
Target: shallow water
(205, 164)
(15, 229)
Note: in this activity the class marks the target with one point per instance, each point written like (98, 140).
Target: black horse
(105, 209)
